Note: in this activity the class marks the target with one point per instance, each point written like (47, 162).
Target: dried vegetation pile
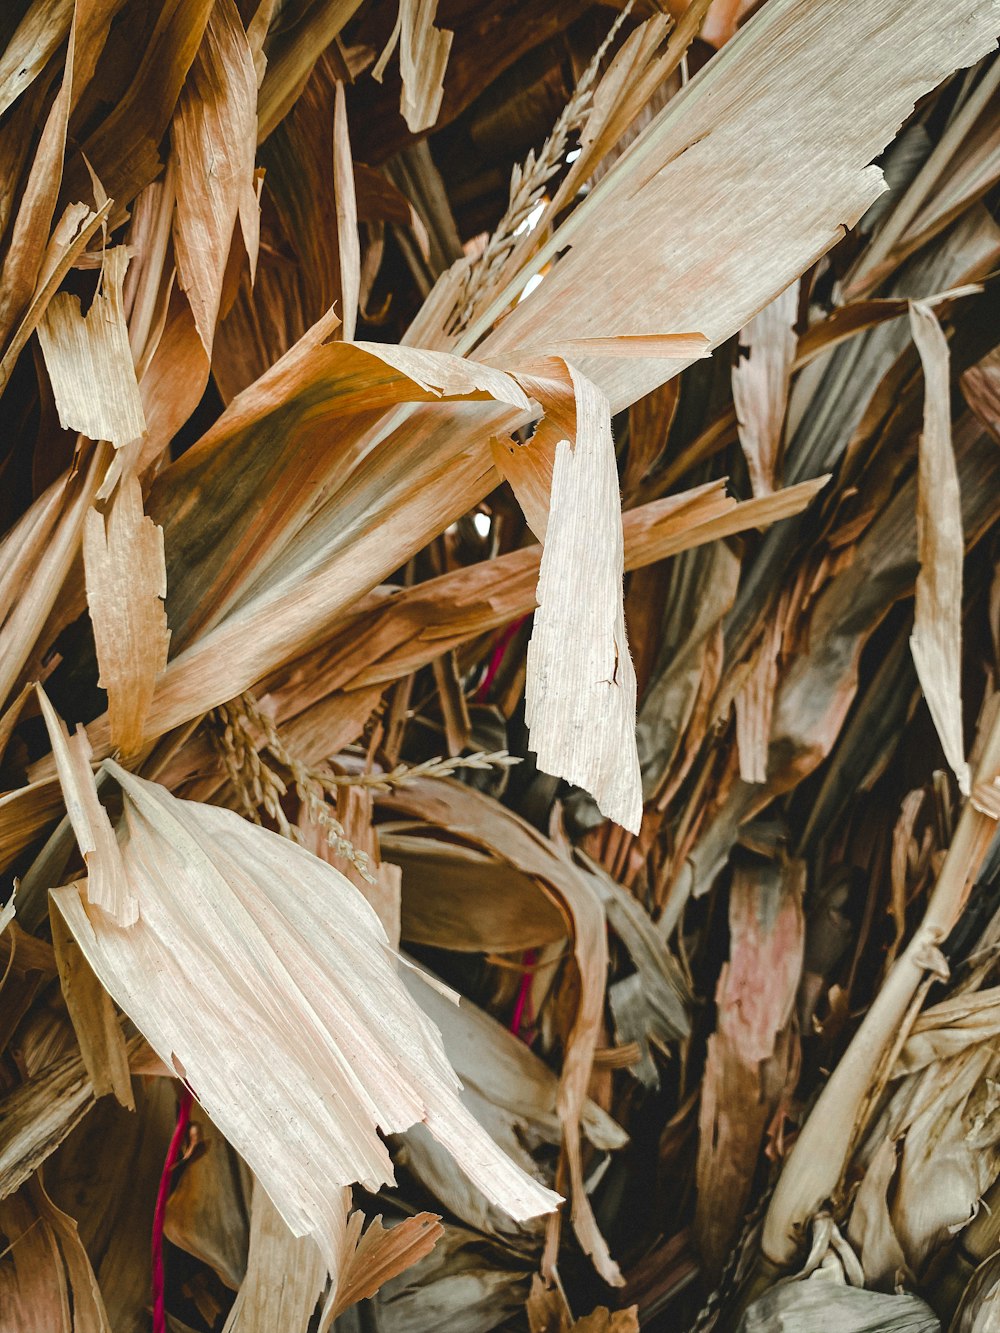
(499, 666)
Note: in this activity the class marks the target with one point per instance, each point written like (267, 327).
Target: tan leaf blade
(348, 243)
(937, 630)
(126, 583)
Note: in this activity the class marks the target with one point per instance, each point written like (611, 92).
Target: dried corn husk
(217, 866)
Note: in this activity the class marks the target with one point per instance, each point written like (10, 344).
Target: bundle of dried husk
(499, 665)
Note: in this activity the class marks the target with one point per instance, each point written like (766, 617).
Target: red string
(497, 659)
(522, 1008)
(160, 1212)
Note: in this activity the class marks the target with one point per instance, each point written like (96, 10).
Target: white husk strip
(580, 694)
(264, 978)
(89, 361)
(936, 641)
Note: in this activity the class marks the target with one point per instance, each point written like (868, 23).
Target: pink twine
(160, 1212)
(522, 1008)
(497, 659)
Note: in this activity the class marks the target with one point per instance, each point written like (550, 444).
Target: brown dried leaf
(379, 1254)
(214, 133)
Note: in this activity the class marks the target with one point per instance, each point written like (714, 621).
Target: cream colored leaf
(936, 641)
(263, 976)
(126, 583)
(108, 888)
(89, 361)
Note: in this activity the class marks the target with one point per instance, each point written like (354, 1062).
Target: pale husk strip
(126, 583)
(581, 688)
(285, 1274)
(820, 1153)
(238, 919)
(95, 1022)
(423, 58)
(214, 135)
(827, 183)
(348, 243)
(108, 887)
(90, 363)
(936, 641)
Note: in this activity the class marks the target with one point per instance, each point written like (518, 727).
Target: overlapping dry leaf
(237, 919)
